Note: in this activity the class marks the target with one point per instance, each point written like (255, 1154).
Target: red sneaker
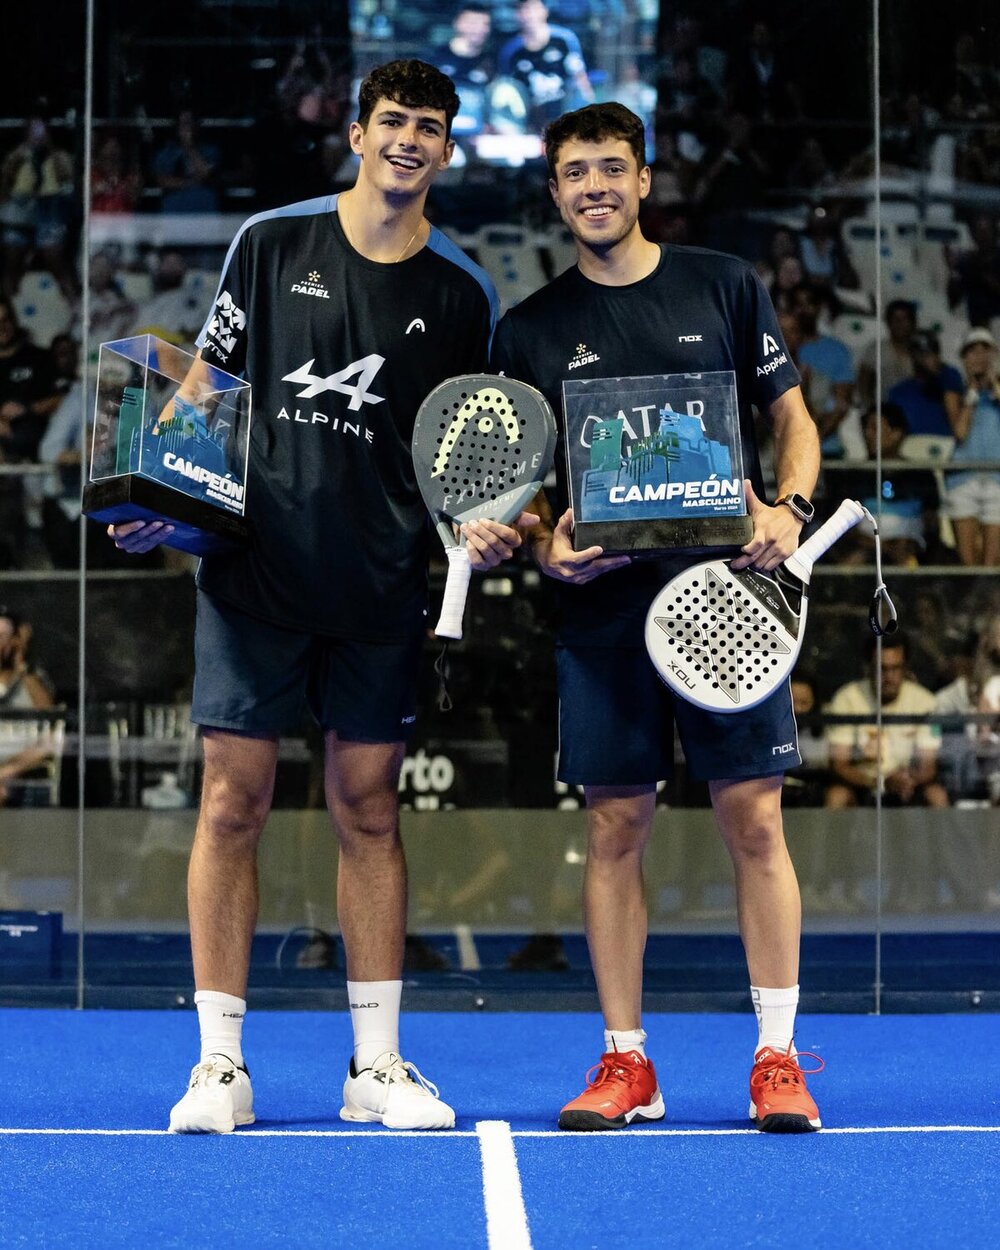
(779, 1100)
(623, 1090)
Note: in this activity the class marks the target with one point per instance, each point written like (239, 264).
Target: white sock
(220, 1019)
(375, 1018)
(625, 1039)
(775, 1017)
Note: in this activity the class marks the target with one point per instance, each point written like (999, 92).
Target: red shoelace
(776, 1067)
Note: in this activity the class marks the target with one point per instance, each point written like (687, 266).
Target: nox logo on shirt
(316, 384)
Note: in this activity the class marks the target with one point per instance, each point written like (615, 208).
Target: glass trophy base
(648, 539)
(199, 528)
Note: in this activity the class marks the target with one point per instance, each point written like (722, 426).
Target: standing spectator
(931, 396)
(897, 357)
(973, 497)
(185, 169)
(823, 256)
(115, 179)
(547, 61)
(469, 61)
(177, 309)
(974, 279)
(760, 83)
(37, 210)
(827, 371)
(29, 389)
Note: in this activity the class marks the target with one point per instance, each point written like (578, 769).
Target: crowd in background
(747, 154)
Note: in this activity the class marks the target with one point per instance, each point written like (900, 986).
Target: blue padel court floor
(909, 1155)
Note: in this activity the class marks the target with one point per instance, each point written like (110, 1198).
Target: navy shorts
(256, 678)
(616, 725)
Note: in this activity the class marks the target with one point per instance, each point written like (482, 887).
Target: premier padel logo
(311, 286)
(584, 356)
(227, 322)
(315, 384)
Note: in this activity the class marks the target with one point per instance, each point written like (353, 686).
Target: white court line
(506, 1218)
(447, 1134)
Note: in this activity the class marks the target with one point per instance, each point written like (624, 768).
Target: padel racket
(482, 445)
(725, 638)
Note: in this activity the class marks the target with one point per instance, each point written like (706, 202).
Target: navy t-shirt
(699, 311)
(339, 352)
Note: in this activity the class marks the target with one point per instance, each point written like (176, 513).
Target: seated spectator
(897, 359)
(826, 368)
(810, 170)
(112, 313)
(906, 754)
(783, 242)
(22, 688)
(930, 398)
(176, 311)
(185, 168)
(906, 509)
(29, 389)
(824, 258)
(788, 276)
(972, 498)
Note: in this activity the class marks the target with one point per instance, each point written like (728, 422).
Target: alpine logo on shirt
(316, 384)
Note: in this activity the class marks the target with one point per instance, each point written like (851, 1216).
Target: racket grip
(801, 562)
(455, 590)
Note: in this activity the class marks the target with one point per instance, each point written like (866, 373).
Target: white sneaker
(218, 1098)
(387, 1093)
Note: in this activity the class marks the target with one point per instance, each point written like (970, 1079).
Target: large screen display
(517, 65)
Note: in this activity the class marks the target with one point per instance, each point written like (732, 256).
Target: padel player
(342, 312)
(631, 308)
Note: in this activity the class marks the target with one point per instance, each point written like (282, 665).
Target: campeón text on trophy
(655, 464)
(170, 442)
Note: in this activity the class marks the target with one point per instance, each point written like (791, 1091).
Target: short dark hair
(896, 641)
(901, 305)
(593, 123)
(892, 414)
(414, 84)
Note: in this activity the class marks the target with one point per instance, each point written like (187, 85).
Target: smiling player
(632, 308)
(342, 312)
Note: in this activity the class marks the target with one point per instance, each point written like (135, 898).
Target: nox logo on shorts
(786, 748)
(316, 384)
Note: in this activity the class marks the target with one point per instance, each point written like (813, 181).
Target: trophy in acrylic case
(170, 443)
(655, 464)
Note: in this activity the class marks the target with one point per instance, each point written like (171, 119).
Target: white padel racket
(725, 638)
(482, 445)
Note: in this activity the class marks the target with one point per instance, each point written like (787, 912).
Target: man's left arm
(776, 530)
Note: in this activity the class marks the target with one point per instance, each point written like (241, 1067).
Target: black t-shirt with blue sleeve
(339, 352)
(699, 311)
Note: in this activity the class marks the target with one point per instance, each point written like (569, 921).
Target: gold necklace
(350, 236)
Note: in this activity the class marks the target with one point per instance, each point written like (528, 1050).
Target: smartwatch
(799, 506)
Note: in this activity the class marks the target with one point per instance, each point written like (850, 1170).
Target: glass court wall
(850, 157)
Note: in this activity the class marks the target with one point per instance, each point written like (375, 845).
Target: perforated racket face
(722, 639)
(482, 446)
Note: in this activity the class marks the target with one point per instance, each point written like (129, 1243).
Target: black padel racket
(482, 445)
(725, 638)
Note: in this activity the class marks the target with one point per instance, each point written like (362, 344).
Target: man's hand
(489, 543)
(138, 537)
(557, 559)
(775, 534)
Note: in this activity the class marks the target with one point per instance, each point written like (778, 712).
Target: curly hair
(593, 123)
(414, 84)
